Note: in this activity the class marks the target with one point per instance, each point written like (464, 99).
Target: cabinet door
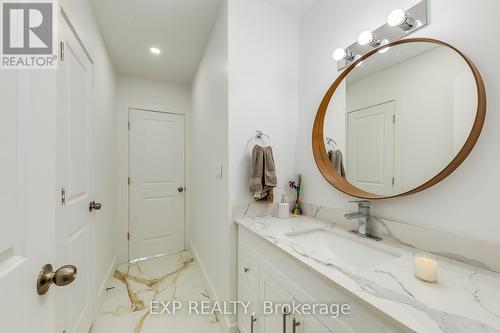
(272, 291)
(308, 324)
(248, 321)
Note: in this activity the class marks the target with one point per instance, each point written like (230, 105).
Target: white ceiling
(299, 7)
(180, 28)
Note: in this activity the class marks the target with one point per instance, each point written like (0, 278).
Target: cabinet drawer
(248, 269)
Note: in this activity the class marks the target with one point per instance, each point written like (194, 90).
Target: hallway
(126, 307)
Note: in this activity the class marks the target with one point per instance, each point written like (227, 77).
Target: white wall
(138, 92)
(104, 95)
(460, 204)
(145, 94)
(263, 89)
(210, 232)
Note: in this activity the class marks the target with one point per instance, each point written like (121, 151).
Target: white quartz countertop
(466, 299)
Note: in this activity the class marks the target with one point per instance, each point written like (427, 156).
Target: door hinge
(393, 181)
(61, 51)
(128, 235)
(129, 125)
(128, 180)
(63, 196)
(394, 119)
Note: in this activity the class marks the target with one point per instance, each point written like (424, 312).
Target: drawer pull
(252, 322)
(295, 323)
(285, 314)
(246, 269)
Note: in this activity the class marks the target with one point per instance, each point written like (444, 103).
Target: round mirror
(399, 119)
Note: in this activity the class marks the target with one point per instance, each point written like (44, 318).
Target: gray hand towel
(337, 161)
(263, 173)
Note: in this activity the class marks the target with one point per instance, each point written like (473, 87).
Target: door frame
(156, 109)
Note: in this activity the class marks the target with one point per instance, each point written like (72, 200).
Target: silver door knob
(62, 277)
(180, 189)
(94, 206)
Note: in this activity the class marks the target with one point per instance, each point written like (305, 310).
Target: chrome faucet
(364, 220)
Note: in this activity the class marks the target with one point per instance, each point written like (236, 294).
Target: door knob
(62, 277)
(94, 206)
(180, 189)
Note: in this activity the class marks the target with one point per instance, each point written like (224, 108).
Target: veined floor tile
(126, 307)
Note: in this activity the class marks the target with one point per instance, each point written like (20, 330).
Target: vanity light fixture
(155, 50)
(406, 22)
(343, 54)
(399, 18)
(368, 38)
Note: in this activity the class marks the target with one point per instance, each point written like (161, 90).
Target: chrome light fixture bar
(399, 23)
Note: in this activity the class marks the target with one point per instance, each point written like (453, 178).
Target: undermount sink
(331, 245)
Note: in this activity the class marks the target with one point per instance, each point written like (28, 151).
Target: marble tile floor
(126, 307)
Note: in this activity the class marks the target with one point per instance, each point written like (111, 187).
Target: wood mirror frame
(340, 183)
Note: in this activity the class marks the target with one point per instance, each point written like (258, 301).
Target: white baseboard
(226, 324)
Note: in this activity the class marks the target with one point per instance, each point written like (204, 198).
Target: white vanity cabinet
(267, 273)
(256, 286)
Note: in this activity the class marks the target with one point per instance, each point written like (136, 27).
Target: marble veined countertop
(466, 298)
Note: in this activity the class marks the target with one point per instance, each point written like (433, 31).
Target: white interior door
(370, 148)
(26, 198)
(157, 165)
(74, 171)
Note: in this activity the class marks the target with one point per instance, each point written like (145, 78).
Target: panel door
(157, 166)
(370, 148)
(74, 171)
(27, 197)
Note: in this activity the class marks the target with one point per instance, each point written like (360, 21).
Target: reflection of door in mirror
(370, 148)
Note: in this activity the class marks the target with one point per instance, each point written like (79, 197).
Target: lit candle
(426, 268)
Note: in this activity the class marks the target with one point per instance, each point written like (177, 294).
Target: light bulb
(368, 38)
(365, 38)
(155, 50)
(339, 54)
(396, 17)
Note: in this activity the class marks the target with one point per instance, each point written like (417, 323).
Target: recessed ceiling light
(155, 50)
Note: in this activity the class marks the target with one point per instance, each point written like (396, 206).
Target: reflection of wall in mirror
(335, 119)
(435, 100)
